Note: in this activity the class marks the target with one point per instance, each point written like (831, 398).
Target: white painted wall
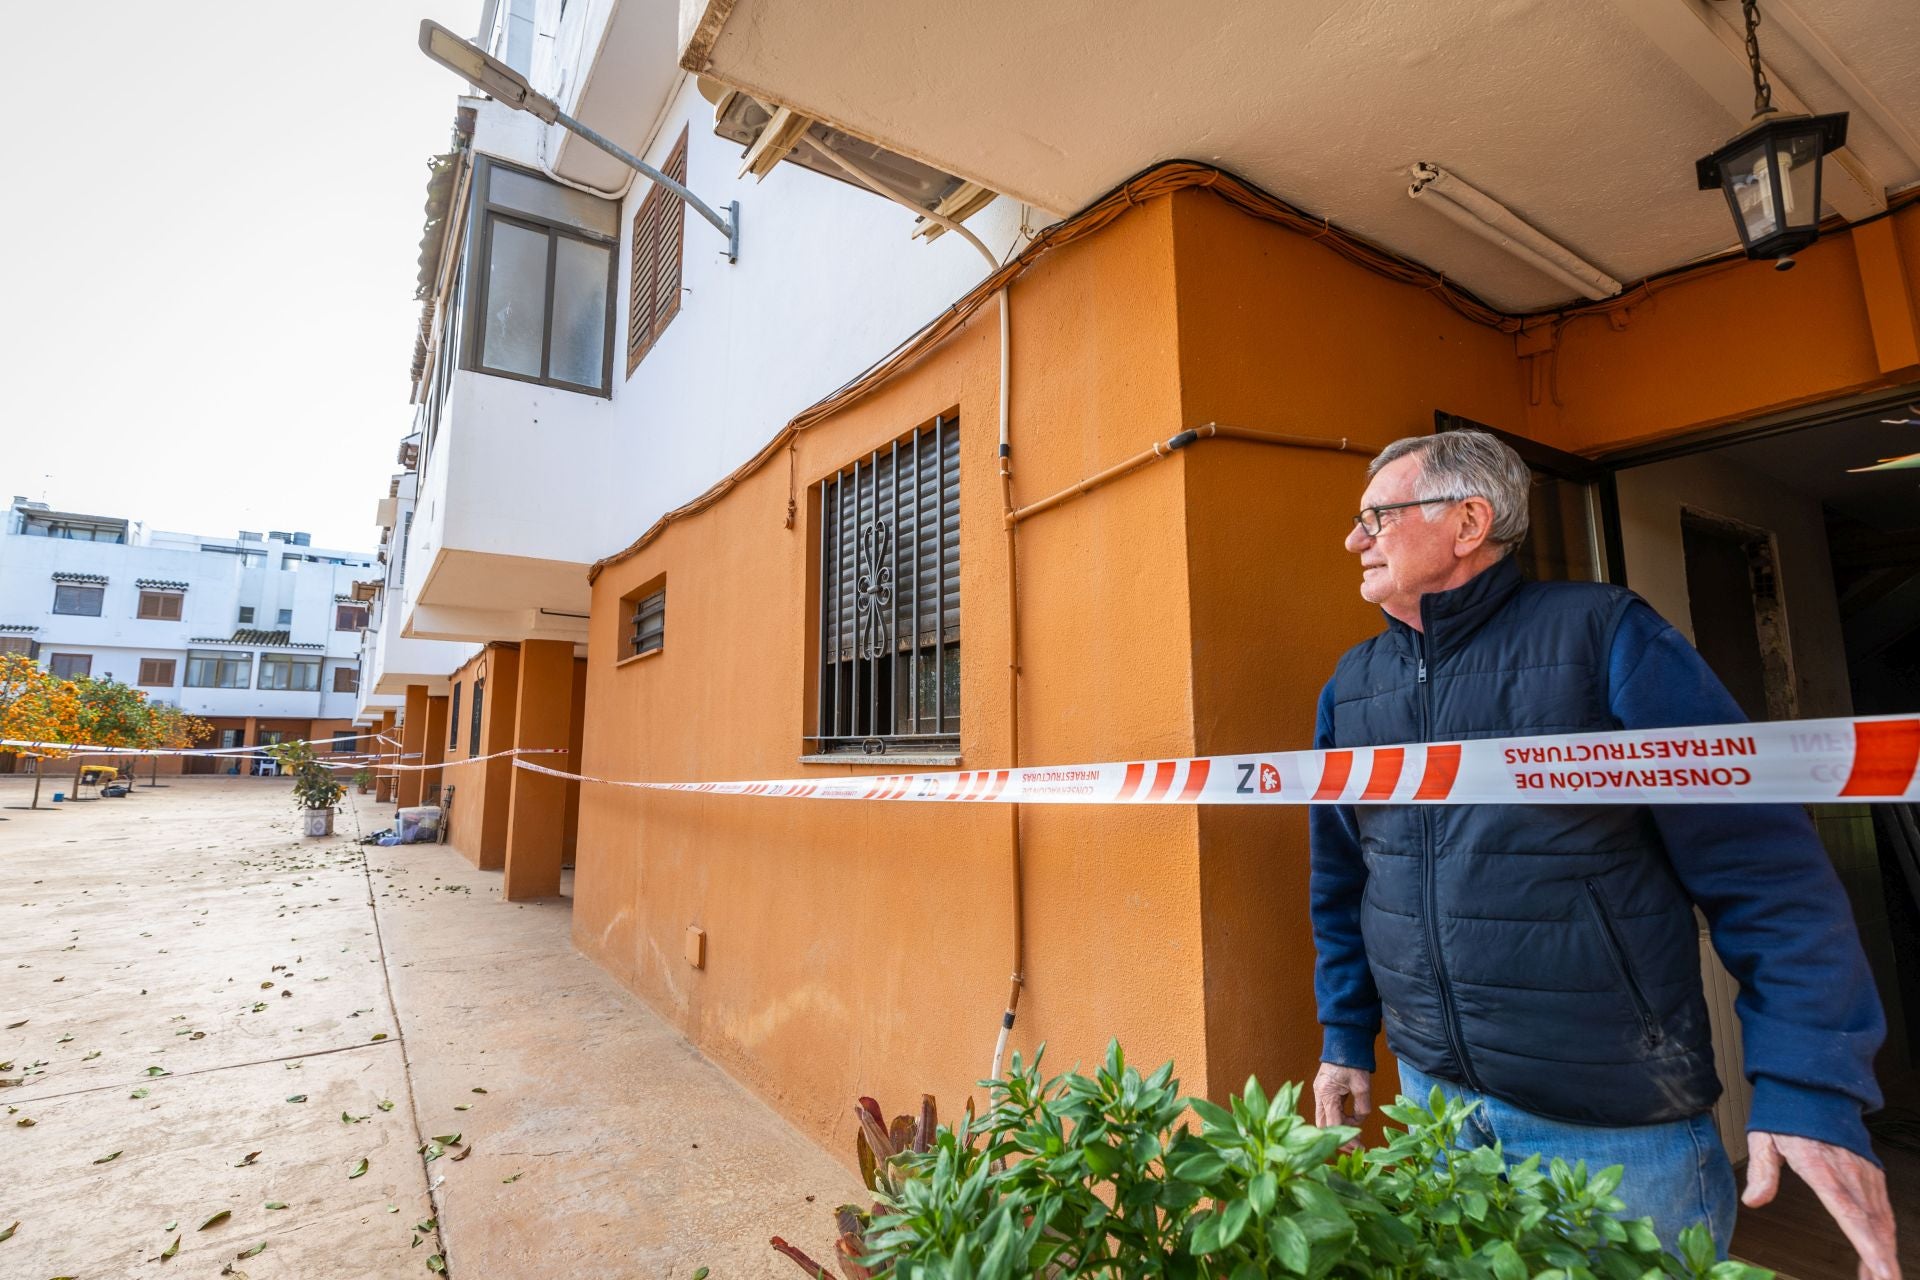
(218, 585)
(1651, 500)
(389, 661)
(828, 282)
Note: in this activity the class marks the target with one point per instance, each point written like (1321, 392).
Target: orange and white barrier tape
(1789, 761)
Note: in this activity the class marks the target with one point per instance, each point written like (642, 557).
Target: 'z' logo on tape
(1258, 775)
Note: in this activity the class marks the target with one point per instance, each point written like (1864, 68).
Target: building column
(413, 741)
(249, 737)
(537, 813)
(435, 752)
(383, 779)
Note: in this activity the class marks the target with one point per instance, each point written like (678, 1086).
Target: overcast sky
(207, 251)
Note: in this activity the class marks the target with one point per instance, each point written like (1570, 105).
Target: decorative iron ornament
(874, 587)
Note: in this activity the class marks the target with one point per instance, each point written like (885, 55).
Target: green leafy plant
(314, 783)
(1105, 1175)
(363, 779)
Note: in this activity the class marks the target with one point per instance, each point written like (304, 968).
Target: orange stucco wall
(482, 788)
(1196, 605)
(1278, 335)
(855, 948)
(1726, 344)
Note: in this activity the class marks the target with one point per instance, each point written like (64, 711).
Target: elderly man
(1541, 960)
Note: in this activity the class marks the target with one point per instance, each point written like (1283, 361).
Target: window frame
(838, 714)
(453, 719)
(652, 596)
(484, 217)
(353, 682)
(147, 594)
(99, 599)
(221, 660)
(284, 618)
(668, 211)
(293, 662)
(54, 660)
(360, 611)
(245, 617)
(473, 723)
(173, 671)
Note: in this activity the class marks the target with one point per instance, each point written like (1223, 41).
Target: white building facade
(259, 633)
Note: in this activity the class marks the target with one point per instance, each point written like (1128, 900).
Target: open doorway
(1795, 570)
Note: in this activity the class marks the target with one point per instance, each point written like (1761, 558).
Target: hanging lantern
(1770, 173)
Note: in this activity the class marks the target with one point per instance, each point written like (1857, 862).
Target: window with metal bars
(649, 623)
(473, 727)
(653, 286)
(889, 621)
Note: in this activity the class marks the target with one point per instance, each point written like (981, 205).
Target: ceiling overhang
(1583, 120)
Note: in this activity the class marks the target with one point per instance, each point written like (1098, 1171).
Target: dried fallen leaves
(170, 1250)
(359, 1169)
(108, 1158)
(247, 1159)
(215, 1220)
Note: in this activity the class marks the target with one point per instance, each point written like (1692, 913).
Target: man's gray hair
(1469, 464)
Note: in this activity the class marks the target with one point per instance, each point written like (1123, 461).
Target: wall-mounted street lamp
(1770, 173)
(505, 85)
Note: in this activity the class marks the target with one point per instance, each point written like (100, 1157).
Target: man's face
(1412, 555)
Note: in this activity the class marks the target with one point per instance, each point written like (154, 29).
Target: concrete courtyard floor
(209, 1026)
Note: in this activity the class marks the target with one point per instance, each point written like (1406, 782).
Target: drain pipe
(1018, 979)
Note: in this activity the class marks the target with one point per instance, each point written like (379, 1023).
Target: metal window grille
(453, 721)
(890, 597)
(473, 726)
(649, 622)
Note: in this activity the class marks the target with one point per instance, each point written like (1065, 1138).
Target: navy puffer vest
(1545, 955)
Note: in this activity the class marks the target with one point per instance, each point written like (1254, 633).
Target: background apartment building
(258, 633)
(783, 477)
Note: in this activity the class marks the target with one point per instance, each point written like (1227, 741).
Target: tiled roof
(159, 584)
(258, 639)
(91, 579)
(18, 626)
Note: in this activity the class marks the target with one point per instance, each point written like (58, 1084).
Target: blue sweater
(1809, 1013)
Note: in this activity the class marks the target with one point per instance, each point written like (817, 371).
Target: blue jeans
(1676, 1173)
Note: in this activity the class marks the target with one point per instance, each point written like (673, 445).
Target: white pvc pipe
(1499, 225)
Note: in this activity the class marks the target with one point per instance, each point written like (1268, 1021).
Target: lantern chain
(1762, 91)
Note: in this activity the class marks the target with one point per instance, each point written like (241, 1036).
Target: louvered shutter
(653, 288)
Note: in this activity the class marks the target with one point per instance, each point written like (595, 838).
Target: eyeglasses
(1370, 521)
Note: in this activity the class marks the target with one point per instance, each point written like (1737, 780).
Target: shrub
(1103, 1175)
(314, 783)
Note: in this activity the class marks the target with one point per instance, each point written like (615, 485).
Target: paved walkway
(205, 1014)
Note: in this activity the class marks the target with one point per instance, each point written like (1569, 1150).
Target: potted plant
(315, 789)
(363, 779)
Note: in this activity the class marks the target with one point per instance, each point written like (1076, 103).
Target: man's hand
(1335, 1084)
(1853, 1189)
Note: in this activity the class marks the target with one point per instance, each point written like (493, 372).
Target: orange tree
(170, 727)
(37, 708)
